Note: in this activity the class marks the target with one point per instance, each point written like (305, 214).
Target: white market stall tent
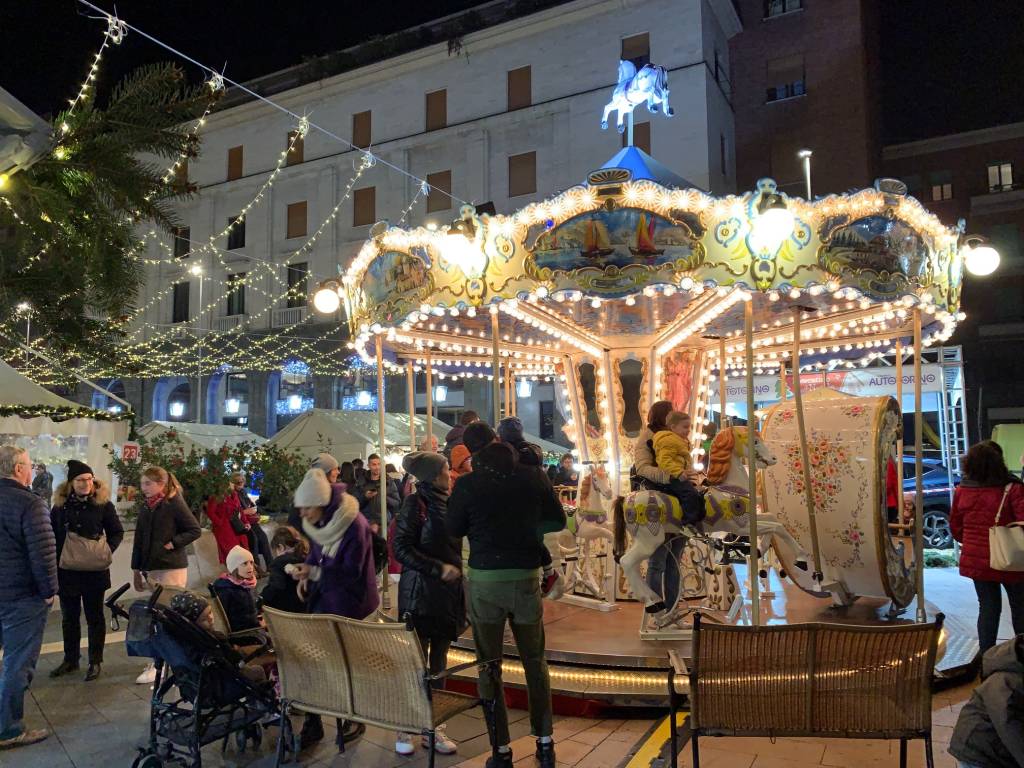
(53, 429)
(202, 437)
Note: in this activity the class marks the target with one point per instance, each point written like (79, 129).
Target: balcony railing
(289, 316)
(231, 322)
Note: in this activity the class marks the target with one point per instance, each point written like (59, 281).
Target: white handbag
(1006, 542)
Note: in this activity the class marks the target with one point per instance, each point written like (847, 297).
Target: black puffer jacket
(280, 592)
(90, 518)
(422, 545)
(505, 509)
(28, 552)
(370, 505)
(169, 521)
(990, 729)
(239, 603)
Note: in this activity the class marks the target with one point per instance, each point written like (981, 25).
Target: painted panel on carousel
(679, 369)
(398, 282)
(613, 252)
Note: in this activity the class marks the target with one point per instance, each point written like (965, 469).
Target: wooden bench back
(813, 679)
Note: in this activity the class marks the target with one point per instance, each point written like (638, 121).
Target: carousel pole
(410, 385)
(805, 459)
(513, 396)
(495, 366)
(723, 420)
(782, 381)
(900, 442)
(382, 492)
(753, 566)
(922, 614)
(508, 388)
(430, 399)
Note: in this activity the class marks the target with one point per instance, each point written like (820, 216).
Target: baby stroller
(213, 700)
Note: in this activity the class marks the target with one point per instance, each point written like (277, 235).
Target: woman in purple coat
(338, 576)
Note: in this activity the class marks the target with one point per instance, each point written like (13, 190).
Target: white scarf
(330, 534)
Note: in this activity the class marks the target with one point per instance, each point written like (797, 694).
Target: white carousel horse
(587, 524)
(649, 85)
(648, 515)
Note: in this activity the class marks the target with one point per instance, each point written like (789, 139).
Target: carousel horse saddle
(653, 509)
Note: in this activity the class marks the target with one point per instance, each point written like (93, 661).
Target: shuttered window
(437, 109)
(364, 206)
(297, 219)
(234, 163)
(522, 174)
(637, 48)
(519, 88)
(439, 197)
(362, 129)
(641, 136)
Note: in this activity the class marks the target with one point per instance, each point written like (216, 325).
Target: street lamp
(805, 155)
(327, 298)
(980, 258)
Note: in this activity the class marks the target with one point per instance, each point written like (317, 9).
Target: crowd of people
(488, 488)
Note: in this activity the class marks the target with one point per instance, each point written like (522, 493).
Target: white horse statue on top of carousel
(650, 85)
(649, 515)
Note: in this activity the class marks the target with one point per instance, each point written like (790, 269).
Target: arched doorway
(162, 396)
(102, 402)
(289, 394)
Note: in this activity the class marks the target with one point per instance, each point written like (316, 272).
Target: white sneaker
(403, 744)
(148, 676)
(442, 744)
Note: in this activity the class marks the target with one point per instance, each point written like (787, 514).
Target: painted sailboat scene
(618, 238)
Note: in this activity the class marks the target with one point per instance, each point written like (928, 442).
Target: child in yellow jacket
(672, 452)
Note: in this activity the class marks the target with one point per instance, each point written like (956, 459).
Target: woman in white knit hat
(338, 576)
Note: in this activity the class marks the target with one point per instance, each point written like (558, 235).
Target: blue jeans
(21, 633)
(663, 569)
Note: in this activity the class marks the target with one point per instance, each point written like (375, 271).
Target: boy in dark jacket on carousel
(505, 508)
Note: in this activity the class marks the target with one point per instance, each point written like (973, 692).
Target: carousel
(635, 287)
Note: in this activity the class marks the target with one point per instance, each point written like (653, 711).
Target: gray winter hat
(424, 465)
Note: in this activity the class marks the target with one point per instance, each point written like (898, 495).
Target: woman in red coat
(220, 511)
(975, 505)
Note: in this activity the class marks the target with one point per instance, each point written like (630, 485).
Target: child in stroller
(218, 692)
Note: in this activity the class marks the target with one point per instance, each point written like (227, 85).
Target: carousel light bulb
(981, 259)
(326, 300)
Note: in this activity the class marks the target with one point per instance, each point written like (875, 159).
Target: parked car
(937, 493)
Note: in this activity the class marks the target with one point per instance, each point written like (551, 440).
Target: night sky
(947, 66)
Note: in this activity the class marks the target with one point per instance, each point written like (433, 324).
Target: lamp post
(197, 271)
(805, 155)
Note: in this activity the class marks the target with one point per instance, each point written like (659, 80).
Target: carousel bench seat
(808, 680)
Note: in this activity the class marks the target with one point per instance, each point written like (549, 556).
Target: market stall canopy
(202, 436)
(348, 434)
(24, 136)
(20, 390)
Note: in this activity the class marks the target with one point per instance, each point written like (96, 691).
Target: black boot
(66, 667)
(499, 760)
(93, 673)
(348, 730)
(546, 754)
(312, 731)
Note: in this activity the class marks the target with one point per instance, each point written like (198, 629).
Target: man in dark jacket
(990, 729)
(505, 509)
(367, 493)
(28, 562)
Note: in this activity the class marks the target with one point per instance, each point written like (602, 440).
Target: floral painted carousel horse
(649, 515)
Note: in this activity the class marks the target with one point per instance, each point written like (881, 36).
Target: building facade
(507, 114)
(804, 75)
(977, 176)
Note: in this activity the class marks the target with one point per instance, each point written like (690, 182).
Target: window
(362, 129)
(1006, 239)
(941, 183)
(181, 173)
(236, 235)
(179, 305)
(298, 149)
(779, 7)
(298, 275)
(297, 219)
(641, 136)
(522, 174)
(786, 77)
(1000, 177)
(437, 109)
(637, 48)
(234, 163)
(364, 206)
(182, 242)
(519, 88)
(439, 197)
(913, 182)
(235, 294)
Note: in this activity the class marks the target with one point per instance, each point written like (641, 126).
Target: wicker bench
(366, 672)
(820, 680)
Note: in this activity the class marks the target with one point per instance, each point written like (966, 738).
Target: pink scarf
(152, 501)
(249, 583)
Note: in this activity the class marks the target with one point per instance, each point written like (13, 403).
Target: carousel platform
(599, 656)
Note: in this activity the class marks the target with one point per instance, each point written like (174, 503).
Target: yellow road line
(652, 746)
